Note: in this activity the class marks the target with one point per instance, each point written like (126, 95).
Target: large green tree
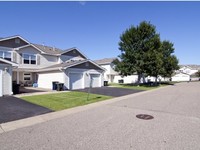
(143, 52)
(135, 45)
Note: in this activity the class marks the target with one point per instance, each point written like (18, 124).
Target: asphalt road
(114, 126)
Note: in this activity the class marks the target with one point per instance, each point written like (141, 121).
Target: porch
(24, 78)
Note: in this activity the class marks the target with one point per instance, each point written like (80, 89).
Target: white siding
(181, 77)
(1, 80)
(127, 79)
(45, 79)
(45, 60)
(109, 73)
(6, 79)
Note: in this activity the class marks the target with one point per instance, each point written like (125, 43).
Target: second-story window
(6, 55)
(29, 59)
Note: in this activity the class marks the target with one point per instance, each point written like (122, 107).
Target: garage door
(76, 81)
(95, 79)
(45, 79)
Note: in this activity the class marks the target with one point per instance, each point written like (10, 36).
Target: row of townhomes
(29, 64)
(185, 73)
(26, 63)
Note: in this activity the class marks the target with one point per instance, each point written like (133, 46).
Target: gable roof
(8, 62)
(15, 36)
(71, 49)
(69, 64)
(48, 49)
(45, 49)
(105, 60)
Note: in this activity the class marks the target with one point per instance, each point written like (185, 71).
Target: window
(27, 76)
(6, 55)
(29, 59)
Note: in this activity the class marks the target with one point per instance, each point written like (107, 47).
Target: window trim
(11, 54)
(29, 58)
(30, 75)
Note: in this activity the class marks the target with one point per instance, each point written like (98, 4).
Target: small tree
(198, 74)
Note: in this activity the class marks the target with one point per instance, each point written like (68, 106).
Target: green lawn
(140, 87)
(60, 101)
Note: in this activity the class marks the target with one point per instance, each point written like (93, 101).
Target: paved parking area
(110, 91)
(12, 108)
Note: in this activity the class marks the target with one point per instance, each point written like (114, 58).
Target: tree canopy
(143, 52)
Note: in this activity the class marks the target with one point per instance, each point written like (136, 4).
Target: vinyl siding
(6, 79)
(41, 60)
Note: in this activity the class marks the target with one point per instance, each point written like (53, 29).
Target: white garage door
(45, 79)
(76, 81)
(95, 79)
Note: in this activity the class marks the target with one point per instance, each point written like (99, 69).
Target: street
(114, 126)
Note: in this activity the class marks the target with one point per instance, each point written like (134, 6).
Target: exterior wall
(11, 43)
(7, 49)
(64, 58)
(6, 79)
(48, 60)
(181, 77)
(188, 70)
(21, 77)
(86, 77)
(41, 60)
(109, 74)
(45, 79)
(127, 79)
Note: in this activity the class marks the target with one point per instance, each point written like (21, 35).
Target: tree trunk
(139, 78)
(156, 81)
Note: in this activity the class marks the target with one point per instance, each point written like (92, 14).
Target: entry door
(1, 84)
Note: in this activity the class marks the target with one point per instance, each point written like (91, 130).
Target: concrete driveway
(110, 91)
(12, 108)
(113, 125)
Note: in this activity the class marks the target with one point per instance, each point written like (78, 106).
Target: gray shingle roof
(48, 49)
(193, 66)
(66, 64)
(105, 61)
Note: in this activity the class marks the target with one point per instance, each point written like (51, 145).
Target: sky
(95, 27)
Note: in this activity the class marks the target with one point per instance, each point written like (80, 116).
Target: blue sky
(95, 27)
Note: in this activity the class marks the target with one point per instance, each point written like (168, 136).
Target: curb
(13, 125)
